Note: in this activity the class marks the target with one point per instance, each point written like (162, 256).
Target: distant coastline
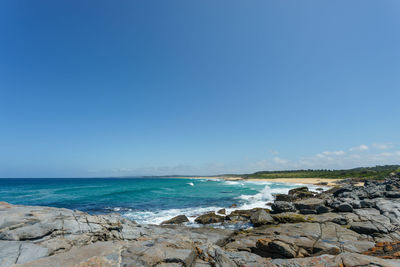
(310, 176)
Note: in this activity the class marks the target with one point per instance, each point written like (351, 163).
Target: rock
(388, 250)
(236, 219)
(340, 221)
(242, 213)
(244, 258)
(342, 190)
(367, 203)
(282, 206)
(222, 211)
(390, 187)
(375, 194)
(209, 218)
(343, 259)
(322, 209)
(20, 252)
(364, 228)
(300, 193)
(261, 218)
(319, 189)
(290, 217)
(298, 190)
(309, 236)
(176, 220)
(307, 211)
(233, 206)
(278, 247)
(393, 194)
(284, 197)
(354, 203)
(309, 204)
(344, 207)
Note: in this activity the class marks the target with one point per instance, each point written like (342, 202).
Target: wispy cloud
(383, 146)
(356, 156)
(331, 153)
(280, 160)
(359, 148)
(274, 152)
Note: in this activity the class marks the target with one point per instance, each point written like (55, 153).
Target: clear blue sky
(99, 88)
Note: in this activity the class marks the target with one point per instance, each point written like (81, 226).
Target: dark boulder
(298, 190)
(209, 218)
(393, 194)
(364, 227)
(321, 209)
(309, 204)
(284, 197)
(280, 249)
(345, 207)
(261, 217)
(340, 221)
(282, 206)
(367, 203)
(338, 192)
(308, 211)
(176, 220)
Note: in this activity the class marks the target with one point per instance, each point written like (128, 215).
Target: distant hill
(377, 172)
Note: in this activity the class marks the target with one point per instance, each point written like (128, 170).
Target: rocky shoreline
(344, 226)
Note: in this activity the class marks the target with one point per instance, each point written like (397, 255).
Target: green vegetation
(377, 172)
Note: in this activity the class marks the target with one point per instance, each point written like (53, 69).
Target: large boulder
(284, 197)
(298, 190)
(364, 227)
(345, 207)
(309, 204)
(393, 194)
(209, 218)
(176, 220)
(300, 193)
(261, 218)
(278, 248)
(282, 206)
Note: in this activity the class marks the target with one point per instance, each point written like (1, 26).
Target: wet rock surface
(346, 226)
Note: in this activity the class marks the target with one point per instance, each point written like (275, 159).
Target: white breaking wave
(233, 183)
(157, 217)
(258, 200)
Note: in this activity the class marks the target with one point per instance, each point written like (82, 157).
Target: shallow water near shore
(145, 200)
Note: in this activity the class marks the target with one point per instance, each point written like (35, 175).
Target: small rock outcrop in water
(209, 218)
(222, 211)
(347, 226)
(176, 220)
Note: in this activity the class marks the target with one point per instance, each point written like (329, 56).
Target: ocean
(145, 200)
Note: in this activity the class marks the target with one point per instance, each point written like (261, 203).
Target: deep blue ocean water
(146, 200)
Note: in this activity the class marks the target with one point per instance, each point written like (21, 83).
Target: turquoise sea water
(146, 200)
